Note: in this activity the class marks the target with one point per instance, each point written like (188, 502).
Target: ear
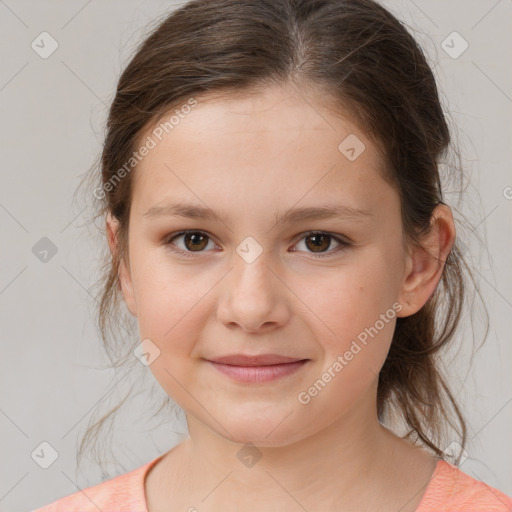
(424, 268)
(125, 280)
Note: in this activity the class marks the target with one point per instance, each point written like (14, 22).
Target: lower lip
(258, 373)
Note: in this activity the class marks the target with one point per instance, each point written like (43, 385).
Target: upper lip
(260, 360)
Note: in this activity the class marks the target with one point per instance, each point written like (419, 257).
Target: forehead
(274, 146)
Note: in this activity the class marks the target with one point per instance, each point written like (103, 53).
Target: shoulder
(451, 490)
(123, 493)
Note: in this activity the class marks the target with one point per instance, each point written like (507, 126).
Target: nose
(253, 297)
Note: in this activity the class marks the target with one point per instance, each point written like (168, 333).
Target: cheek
(362, 318)
(169, 300)
(355, 318)
(171, 314)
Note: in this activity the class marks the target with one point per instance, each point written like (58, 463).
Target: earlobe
(112, 225)
(124, 276)
(127, 288)
(424, 266)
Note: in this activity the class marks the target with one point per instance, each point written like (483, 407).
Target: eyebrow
(294, 215)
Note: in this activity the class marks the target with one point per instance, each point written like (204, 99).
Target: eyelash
(190, 254)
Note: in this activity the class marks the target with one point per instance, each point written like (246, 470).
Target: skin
(247, 158)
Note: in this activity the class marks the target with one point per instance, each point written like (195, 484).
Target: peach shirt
(449, 490)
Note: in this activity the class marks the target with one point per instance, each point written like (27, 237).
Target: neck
(342, 461)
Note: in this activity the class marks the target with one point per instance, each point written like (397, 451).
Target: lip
(259, 360)
(254, 369)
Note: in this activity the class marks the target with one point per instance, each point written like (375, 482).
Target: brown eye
(319, 242)
(316, 242)
(193, 241)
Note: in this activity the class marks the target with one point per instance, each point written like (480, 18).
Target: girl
(276, 225)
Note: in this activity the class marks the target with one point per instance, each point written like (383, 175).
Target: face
(254, 281)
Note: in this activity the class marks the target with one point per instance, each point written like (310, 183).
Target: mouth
(262, 368)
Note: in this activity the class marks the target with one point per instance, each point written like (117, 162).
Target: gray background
(53, 112)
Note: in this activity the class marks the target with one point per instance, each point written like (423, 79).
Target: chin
(270, 430)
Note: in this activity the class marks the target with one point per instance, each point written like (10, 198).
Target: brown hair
(365, 61)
